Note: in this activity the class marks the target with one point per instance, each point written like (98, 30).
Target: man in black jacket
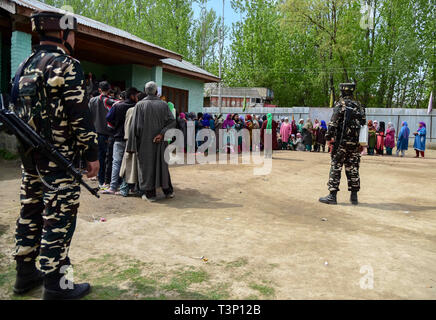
(115, 119)
(99, 107)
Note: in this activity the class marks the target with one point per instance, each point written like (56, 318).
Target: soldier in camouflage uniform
(344, 129)
(51, 98)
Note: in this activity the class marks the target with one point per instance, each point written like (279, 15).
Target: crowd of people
(381, 140)
(111, 117)
(129, 131)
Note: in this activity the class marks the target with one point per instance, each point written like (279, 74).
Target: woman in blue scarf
(419, 144)
(403, 139)
(206, 120)
(321, 136)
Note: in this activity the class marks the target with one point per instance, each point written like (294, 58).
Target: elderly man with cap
(343, 132)
(49, 94)
(151, 119)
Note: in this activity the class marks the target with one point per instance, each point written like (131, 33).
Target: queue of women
(306, 135)
(286, 135)
(381, 139)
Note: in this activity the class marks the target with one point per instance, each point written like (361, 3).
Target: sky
(230, 16)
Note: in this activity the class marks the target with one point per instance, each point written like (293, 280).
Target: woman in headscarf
(300, 126)
(228, 123)
(229, 138)
(270, 126)
(249, 126)
(239, 125)
(294, 129)
(372, 138)
(420, 137)
(403, 139)
(285, 133)
(380, 139)
(256, 123)
(218, 123)
(321, 136)
(376, 125)
(390, 138)
(205, 122)
(299, 145)
(315, 134)
(183, 126)
(307, 135)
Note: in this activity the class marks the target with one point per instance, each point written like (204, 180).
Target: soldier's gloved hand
(92, 168)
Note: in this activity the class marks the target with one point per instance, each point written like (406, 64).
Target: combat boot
(57, 288)
(28, 277)
(330, 199)
(353, 198)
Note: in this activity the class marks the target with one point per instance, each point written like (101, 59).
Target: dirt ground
(262, 237)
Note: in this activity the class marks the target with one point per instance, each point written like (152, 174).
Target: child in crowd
(292, 142)
(380, 139)
(390, 139)
(299, 143)
(372, 138)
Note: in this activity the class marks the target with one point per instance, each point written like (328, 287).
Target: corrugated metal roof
(37, 5)
(243, 92)
(187, 66)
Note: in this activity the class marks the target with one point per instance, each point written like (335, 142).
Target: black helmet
(43, 21)
(46, 21)
(347, 88)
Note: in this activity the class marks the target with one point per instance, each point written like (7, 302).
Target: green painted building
(108, 53)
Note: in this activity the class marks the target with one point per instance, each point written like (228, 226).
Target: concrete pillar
(21, 48)
(156, 74)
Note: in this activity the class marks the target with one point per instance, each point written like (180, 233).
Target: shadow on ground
(188, 198)
(12, 170)
(396, 207)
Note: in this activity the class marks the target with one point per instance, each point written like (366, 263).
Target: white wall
(396, 116)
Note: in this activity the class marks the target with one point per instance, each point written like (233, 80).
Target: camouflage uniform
(346, 150)
(57, 108)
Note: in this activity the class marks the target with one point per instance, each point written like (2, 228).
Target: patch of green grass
(264, 290)
(7, 155)
(144, 286)
(101, 292)
(237, 263)
(3, 229)
(220, 292)
(7, 276)
(160, 297)
(115, 278)
(184, 279)
(129, 273)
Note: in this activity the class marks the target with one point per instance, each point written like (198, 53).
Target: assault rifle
(32, 141)
(347, 118)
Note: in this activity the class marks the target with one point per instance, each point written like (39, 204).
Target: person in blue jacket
(419, 144)
(403, 139)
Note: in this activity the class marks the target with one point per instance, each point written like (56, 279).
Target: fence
(396, 116)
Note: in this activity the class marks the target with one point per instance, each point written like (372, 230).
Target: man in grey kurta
(151, 119)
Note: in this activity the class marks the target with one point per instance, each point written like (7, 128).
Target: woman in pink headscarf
(390, 139)
(285, 132)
